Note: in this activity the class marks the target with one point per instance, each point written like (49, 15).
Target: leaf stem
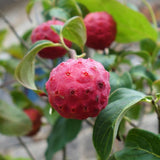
(26, 148)
(89, 122)
(130, 122)
(152, 14)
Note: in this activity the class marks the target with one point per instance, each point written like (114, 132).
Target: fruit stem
(26, 148)
(152, 14)
(71, 52)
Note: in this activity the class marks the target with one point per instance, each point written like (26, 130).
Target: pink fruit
(35, 118)
(78, 89)
(44, 32)
(101, 30)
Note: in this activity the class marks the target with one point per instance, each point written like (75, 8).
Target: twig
(89, 122)
(130, 122)
(152, 14)
(26, 148)
(13, 30)
(64, 153)
(157, 109)
(20, 39)
(7, 83)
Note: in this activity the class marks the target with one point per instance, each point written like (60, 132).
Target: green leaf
(15, 51)
(20, 99)
(148, 45)
(30, 6)
(9, 64)
(123, 81)
(106, 60)
(143, 54)
(131, 25)
(3, 33)
(56, 28)
(142, 72)
(75, 31)
(70, 6)
(64, 131)
(59, 13)
(10, 158)
(25, 72)
(139, 145)
(135, 112)
(107, 122)
(13, 121)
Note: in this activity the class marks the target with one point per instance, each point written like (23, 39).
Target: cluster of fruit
(79, 88)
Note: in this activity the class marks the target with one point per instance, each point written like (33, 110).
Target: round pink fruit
(78, 89)
(101, 30)
(44, 32)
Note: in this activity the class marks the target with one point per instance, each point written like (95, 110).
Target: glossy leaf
(107, 122)
(59, 13)
(123, 81)
(75, 31)
(25, 70)
(70, 6)
(139, 145)
(13, 121)
(131, 25)
(64, 131)
(142, 72)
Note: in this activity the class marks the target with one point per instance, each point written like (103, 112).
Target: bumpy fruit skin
(44, 32)
(35, 118)
(101, 30)
(78, 89)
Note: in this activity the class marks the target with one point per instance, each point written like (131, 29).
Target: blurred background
(81, 148)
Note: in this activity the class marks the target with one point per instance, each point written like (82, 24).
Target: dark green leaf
(143, 54)
(142, 72)
(106, 60)
(131, 25)
(3, 33)
(123, 81)
(59, 13)
(64, 131)
(135, 112)
(25, 72)
(70, 6)
(148, 45)
(75, 31)
(13, 121)
(139, 145)
(20, 99)
(107, 123)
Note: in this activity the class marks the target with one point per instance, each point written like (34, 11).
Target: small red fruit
(78, 89)
(44, 32)
(101, 30)
(35, 117)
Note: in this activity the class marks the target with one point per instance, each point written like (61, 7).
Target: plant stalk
(26, 148)
(64, 153)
